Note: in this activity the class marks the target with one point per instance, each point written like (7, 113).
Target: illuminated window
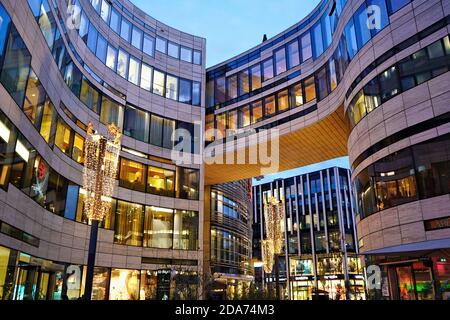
(269, 106)
(257, 113)
(124, 284)
(186, 226)
(283, 100)
(146, 77)
(244, 117)
(158, 83)
(34, 99)
(128, 224)
(133, 71)
(78, 148)
(158, 228)
(297, 95)
(63, 137)
(256, 77)
(48, 118)
(171, 87)
(132, 175)
(310, 89)
(122, 64)
(111, 112)
(161, 182)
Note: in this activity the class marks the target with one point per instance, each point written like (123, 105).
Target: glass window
(161, 182)
(446, 45)
(186, 54)
(47, 24)
(149, 45)
(168, 131)
(268, 69)
(293, 54)
(244, 117)
(55, 197)
(104, 11)
(161, 45)
(233, 120)
(395, 181)
(158, 229)
(171, 87)
(41, 173)
(158, 83)
(89, 95)
(92, 38)
(48, 120)
(283, 100)
(389, 83)
(306, 47)
(124, 284)
(317, 40)
(72, 77)
(111, 112)
(297, 95)
(128, 224)
(78, 149)
(146, 77)
(186, 230)
(136, 38)
(16, 67)
(395, 5)
(197, 57)
(326, 30)
(350, 38)
(185, 91)
(280, 61)
(379, 24)
(244, 82)
(122, 64)
(125, 30)
(232, 84)
(220, 90)
(196, 93)
(173, 50)
(322, 83)
(63, 138)
(156, 130)
(111, 57)
(35, 97)
(310, 89)
(100, 51)
(269, 106)
(187, 185)
(332, 74)
(132, 175)
(257, 112)
(432, 161)
(84, 27)
(35, 6)
(136, 124)
(133, 71)
(372, 95)
(358, 108)
(114, 22)
(256, 77)
(221, 124)
(363, 34)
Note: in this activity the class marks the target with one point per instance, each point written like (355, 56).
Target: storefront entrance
(414, 282)
(33, 284)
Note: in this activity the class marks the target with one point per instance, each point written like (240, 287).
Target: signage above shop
(437, 224)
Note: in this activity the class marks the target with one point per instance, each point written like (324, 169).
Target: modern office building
(364, 78)
(106, 63)
(369, 79)
(319, 252)
(231, 238)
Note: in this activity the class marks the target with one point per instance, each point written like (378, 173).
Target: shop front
(412, 275)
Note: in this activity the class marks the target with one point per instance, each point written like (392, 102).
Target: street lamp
(99, 176)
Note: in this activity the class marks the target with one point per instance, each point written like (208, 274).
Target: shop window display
(124, 284)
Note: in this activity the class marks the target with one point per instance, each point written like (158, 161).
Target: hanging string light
(273, 245)
(100, 171)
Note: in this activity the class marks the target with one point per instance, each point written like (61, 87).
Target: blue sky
(230, 26)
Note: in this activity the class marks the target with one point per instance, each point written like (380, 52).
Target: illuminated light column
(99, 176)
(273, 245)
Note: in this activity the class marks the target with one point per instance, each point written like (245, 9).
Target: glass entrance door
(33, 284)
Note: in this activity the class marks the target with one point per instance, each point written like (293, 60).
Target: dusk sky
(230, 26)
